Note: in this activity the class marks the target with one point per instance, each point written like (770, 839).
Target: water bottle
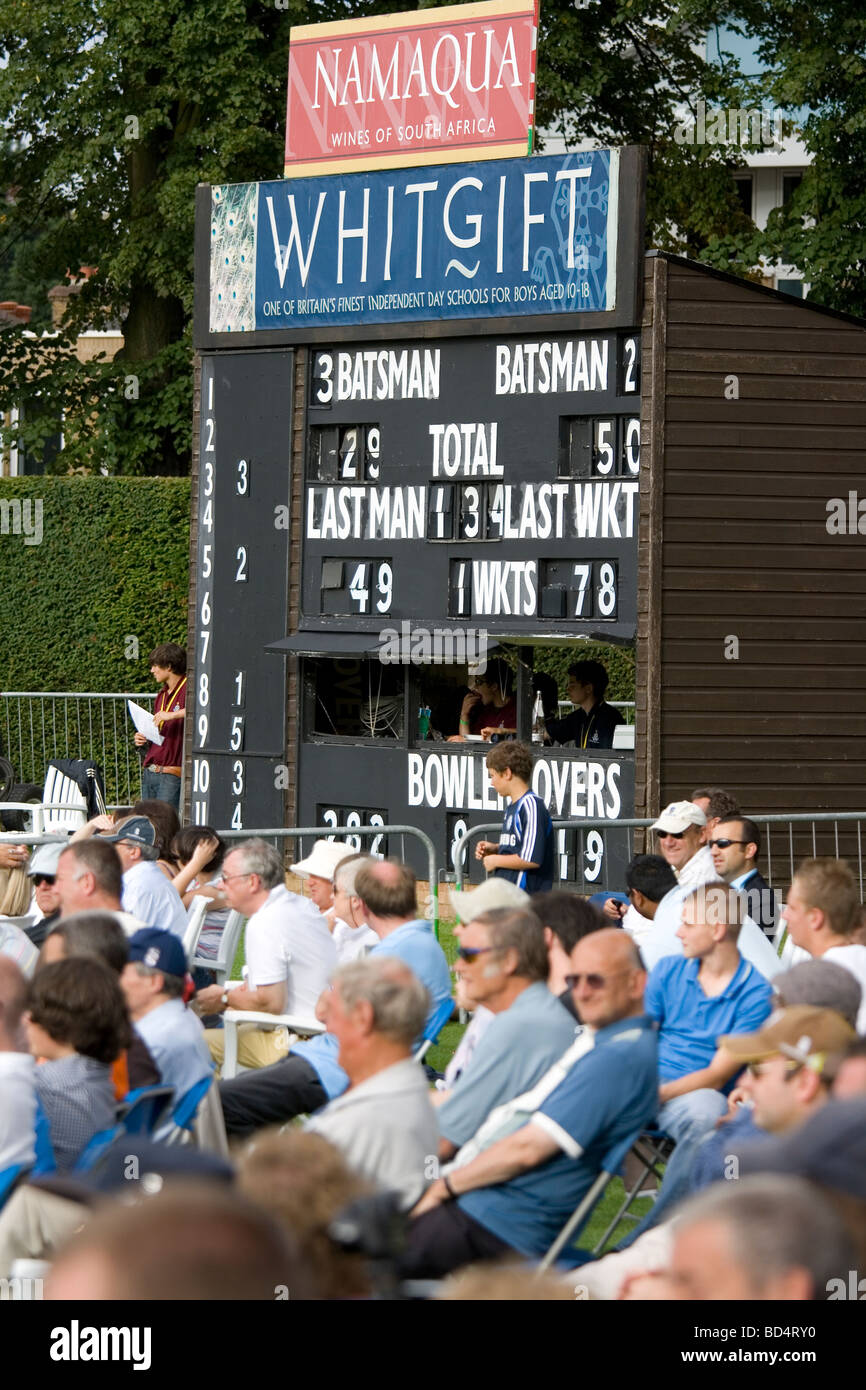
(538, 720)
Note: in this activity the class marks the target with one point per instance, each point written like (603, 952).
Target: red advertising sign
(428, 87)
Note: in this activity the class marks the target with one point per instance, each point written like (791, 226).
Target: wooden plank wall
(752, 618)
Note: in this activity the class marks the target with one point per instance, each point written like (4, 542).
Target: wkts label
(432, 86)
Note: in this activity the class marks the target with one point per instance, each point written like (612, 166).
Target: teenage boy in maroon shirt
(160, 775)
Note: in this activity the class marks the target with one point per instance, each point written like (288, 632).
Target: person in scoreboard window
(524, 854)
(592, 721)
(490, 707)
(160, 775)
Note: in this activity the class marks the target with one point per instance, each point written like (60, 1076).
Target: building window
(744, 193)
(790, 184)
(791, 287)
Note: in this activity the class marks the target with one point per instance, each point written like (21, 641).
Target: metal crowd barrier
(38, 725)
(328, 832)
(315, 832)
(837, 835)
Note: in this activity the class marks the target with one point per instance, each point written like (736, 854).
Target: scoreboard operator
(160, 775)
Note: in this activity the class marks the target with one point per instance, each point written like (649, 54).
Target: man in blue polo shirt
(696, 998)
(516, 1195)
(311, 1075)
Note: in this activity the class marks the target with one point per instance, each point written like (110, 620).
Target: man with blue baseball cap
(147, 893)
(154, 982)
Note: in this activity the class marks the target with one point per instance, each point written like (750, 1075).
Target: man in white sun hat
(319, 868)
(352, 937)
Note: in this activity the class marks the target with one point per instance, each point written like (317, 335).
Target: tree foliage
(114, 110)
(815, 58)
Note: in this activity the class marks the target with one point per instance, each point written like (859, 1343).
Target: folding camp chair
(611, 1165)
(433, 1028)
(8, 1178)
(651, 1150)
(144, 1108)
(179, 1129)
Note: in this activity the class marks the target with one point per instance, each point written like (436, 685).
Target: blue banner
(486, 240)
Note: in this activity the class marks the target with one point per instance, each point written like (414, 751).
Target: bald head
(609, 977)
(13, 999)
(387, 891)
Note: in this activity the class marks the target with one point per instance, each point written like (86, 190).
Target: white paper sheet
(143, 721)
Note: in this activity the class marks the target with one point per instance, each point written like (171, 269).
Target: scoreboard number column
(240, 493)
(204, 588)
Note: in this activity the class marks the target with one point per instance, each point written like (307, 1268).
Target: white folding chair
(233, 1018)
(195, 915)
(225, 957)
(63, 807)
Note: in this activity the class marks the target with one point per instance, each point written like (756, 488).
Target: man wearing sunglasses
(503, 964)
(679, 833)
(42, 870)
(679, 829)
(518, 1193)
(734, 844)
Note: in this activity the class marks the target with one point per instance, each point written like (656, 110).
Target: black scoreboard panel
(444, 790)
(479, 480)
(238, 694)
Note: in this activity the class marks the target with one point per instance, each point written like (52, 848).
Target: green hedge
(110, 571)
(617, 661)
(112, 564)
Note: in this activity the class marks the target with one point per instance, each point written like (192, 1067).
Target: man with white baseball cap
(679, 829)
(487, 897)
(42, 869)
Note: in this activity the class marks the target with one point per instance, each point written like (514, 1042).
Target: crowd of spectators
(343, 1166)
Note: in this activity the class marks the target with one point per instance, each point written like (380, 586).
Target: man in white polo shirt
(147, 893)
(289, 954)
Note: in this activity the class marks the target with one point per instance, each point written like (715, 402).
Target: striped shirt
(527, 831)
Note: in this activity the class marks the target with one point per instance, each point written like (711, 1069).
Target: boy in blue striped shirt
(524, 854)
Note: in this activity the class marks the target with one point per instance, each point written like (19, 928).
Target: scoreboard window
(355, 698)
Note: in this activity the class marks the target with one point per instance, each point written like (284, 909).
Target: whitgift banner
(474, 241)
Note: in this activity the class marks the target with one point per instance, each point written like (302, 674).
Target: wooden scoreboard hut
(439, 411)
